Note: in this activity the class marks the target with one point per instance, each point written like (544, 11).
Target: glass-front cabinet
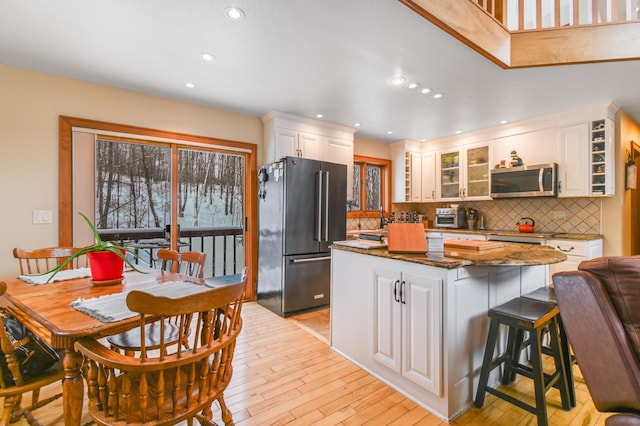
(450, 175)
(477, 172)
(464, 173)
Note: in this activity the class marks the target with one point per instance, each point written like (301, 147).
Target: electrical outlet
(42, 216)
(559, 215)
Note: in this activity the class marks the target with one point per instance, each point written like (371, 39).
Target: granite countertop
(560, 235)
(511, 254)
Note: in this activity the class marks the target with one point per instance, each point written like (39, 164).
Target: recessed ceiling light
(356, 124)
(319, 115)
(425, 90)
(458, 132)
(389, 132)
(207, 57)
(504, 122)
(437, 95)
(399, 80)
(412, 85)
(189, 85)
(234, 13)
(423, 140)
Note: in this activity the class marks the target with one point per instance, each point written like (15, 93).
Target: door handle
(326, 207)
(310, 259)
(395, 291)
(402, 298)
(319, 208)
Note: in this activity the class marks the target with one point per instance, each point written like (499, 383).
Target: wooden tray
(472, 245)
(406, 238)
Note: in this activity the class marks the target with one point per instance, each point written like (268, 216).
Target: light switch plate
(42, 216)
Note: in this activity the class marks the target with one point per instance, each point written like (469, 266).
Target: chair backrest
(183, 382)
(189, 263)
(600, 309)
(39, 261)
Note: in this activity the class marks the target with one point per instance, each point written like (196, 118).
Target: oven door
(447, 221)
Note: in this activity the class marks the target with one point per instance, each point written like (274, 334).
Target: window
(138, 181)
(371, 187)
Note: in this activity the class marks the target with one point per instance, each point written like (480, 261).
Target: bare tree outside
(210, 186)
(133, 187)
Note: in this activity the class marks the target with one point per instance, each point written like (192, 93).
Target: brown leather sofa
(600, 308)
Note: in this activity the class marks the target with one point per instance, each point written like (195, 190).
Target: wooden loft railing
(524, 15)
(539, 32)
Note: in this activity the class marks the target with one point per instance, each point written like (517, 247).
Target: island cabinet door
(387, 331)
(407, 326)
(422, 330)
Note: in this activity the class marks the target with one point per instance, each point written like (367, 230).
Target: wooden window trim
(65, 179)
(385, 187)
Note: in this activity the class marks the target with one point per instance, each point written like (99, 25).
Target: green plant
(99, 245)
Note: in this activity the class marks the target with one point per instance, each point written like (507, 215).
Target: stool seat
(524, 312)
(543, 294)
(522, 315)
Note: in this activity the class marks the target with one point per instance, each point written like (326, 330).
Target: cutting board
(472, 245)
(406, 238)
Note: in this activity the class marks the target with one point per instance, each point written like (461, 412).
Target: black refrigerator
(301, 211)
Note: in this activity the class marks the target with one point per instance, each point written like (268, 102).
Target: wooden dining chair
(12, 392)
(190, 263)
(160, 387)
(39, 261)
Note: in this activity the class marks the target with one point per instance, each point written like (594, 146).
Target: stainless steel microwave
(525, 181)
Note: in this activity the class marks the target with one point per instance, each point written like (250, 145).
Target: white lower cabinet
(407, 325)
(576, 251)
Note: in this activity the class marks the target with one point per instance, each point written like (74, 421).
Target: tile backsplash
(582, 214)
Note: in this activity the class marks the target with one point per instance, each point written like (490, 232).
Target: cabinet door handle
(395, 291)
(559, 186)
(433, 194)
(402, 298)
(569, 250)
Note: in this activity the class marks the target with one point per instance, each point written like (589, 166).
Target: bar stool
(548, 294)
(521, 316)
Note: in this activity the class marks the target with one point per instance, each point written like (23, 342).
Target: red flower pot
(105, 265)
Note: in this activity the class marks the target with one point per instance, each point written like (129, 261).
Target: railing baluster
(133, 237)
(611, 12)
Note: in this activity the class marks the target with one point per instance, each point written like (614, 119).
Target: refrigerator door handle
(326, 207)
(319, 212)
(310, 259)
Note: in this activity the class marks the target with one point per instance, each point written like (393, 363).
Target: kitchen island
(419, 322)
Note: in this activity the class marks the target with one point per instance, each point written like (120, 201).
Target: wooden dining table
(46, 310)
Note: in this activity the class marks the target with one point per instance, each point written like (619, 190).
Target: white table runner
(67, 274)
(113, 307)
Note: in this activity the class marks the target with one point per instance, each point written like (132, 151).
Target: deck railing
(522, 15)
(224, 246)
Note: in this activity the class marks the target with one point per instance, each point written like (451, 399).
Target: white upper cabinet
(428, 176)
(414, 178)
(463, 173)
(289, 143)
(574, 161)
(287, 135)
(585, 168)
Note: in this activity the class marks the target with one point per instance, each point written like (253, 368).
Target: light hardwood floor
(286, 373)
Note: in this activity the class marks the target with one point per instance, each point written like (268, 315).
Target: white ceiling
(304, 57)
